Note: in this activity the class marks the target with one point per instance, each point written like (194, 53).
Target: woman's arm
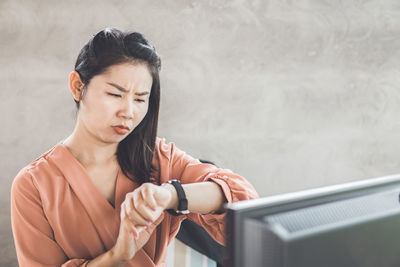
(203, 184)
(33, 236)
(106, 259)
(203, 197)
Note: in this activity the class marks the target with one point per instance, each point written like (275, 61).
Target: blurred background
(290, 94)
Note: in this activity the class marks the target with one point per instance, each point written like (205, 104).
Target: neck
(89, 150)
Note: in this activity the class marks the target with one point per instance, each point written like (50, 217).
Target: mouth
(121, 129)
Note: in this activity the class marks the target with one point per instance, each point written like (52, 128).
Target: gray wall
(290, 94)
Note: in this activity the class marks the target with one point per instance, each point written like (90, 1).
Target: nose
(127, 109)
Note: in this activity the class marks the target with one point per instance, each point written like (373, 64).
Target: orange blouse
(60, 218)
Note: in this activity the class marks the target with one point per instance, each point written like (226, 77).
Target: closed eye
(139, 100)
(116, 95)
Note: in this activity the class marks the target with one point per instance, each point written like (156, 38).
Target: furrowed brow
(122, 89)
(141, 93)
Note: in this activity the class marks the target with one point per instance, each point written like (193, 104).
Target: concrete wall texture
(289, 94)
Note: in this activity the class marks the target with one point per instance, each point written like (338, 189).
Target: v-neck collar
(104, 216)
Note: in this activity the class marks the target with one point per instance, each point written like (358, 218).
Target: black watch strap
(182, 200)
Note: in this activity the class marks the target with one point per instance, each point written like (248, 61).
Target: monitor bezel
(237, 212)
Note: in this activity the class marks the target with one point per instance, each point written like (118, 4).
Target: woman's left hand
(145, 204)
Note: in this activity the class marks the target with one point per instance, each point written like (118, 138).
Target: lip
(120, 129)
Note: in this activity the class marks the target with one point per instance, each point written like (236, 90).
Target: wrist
(179, 206)
(108, 259)
(173, 201)
(114, 259)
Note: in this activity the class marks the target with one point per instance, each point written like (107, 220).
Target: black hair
(110, 47)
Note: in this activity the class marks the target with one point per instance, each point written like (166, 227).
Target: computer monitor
(348, 225)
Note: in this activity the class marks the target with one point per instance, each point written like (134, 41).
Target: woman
(98, 198)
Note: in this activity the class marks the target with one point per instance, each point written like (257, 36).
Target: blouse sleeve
(33, 235)
(190, 170)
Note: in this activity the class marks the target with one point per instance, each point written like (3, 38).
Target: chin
(112, 139)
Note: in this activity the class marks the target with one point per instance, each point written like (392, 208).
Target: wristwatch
(182, 200)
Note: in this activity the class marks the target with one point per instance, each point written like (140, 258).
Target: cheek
(108, 108)
(144, 111)
(100, 110)
(140, 114)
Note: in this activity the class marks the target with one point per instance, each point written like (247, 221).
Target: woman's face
(115, 102)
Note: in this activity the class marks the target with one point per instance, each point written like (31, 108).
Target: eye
(139, 100)
(116, 95)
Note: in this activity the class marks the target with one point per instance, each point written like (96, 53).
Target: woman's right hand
(127, 242)
(135, 212)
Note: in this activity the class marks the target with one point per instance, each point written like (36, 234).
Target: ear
(75, 85)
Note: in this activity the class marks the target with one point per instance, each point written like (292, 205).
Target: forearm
(203, 198)
(106, 259)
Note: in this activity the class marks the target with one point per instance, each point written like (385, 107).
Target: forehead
(129, 75)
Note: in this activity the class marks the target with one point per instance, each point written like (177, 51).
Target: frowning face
(115, 102)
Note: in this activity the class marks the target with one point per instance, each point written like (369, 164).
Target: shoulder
(22, 186)
(27, 178)
(164, 149)
(168, 158)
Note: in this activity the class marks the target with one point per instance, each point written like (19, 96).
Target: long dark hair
(110, 47)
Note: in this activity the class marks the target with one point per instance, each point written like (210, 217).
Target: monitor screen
(347, 225)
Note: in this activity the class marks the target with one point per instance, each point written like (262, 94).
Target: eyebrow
(122, 89)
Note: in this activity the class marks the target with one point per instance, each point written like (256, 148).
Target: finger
(126, 217)
(140, 228)
(130, 209)
(147, 195)
(126, 210)
(134, 231)
(142, 208)
(154, 225)
(127, 224)
(136, 217)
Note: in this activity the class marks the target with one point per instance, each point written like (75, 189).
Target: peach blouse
(60, 218)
